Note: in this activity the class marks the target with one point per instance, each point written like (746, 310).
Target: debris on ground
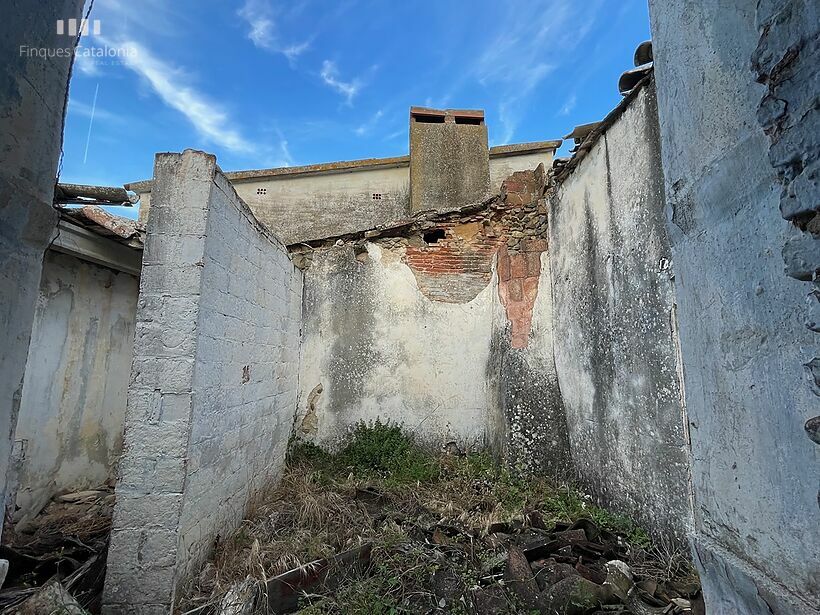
(61, 553)
(52, 598)
(384, 527)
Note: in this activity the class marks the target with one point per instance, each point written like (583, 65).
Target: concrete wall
(304, 207)
(73, 404)
(301, 206)
(375, 346)
(213, 389)
(614, 309)
(32, 105)
(529, 429)
(449, 164)
(743, 341)
(501, 167)
(452, 336)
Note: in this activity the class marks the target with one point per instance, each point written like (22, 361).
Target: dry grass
(325, 505)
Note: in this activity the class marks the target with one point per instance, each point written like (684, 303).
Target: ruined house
(623, 318)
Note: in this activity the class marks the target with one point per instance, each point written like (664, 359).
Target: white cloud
(172, 86)
(532, 39)
(330, 75)
(368, 126)
(569, 105)
(260, 17)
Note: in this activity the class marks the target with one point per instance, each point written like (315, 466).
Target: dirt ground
(385, 527)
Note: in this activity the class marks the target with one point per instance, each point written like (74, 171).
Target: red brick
(518, 266)
(515, 289)
(512, 185)
(503, 266)
(531, 289)
(534, 245)
(533, 263)
(520, 340)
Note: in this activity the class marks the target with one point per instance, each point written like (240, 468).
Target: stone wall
(213, 385)
(741, 319)
(69, 431)
(32, 105)
(614, 308)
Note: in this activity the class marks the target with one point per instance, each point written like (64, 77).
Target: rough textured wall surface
(32, 107)
(449, 165)
(615, 350)
(375, 346)
(300, 208)
(528, 426)
(412, 325)
(787, 61)
(73, 404)
(501, 167)
(742, 337)
(213, 384)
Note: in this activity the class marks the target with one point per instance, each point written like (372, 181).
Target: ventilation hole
(377, 196)
(433, 236)
(261, 191)
(429, 119)
(475, 121)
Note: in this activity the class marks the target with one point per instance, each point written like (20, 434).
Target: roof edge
(499, 151)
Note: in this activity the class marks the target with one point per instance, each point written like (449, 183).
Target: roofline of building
(499, 151)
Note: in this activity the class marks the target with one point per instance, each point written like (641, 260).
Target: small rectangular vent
(261, 191)
(377, 196)
(475, 121)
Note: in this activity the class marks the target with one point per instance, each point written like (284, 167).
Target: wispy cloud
(568, 105)
(365, 128)
(330, 75)
(533, 38)
(172, 85)
(260, 18)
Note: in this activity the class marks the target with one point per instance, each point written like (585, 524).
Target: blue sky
(264, 83)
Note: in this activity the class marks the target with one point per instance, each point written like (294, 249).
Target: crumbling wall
(741, 320)
(530, 428)
(615, 323)
(412, 325)
(32, 105)
(376, 346)
(787, 61)
(213, 388)
(69, 432)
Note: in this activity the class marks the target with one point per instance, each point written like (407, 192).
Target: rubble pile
(446, 533)
(57, 561)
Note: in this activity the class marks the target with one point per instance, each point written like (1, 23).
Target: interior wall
(615, 350)
(742, 332)
(73, 406)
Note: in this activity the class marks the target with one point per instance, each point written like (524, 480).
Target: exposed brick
(518, 266)
(515, 289)
(533, 263)
(534, 245)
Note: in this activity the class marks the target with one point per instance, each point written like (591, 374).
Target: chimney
(449, 158)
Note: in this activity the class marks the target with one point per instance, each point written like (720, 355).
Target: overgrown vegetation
(437, 522)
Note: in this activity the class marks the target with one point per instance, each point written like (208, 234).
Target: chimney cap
(447, 115)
